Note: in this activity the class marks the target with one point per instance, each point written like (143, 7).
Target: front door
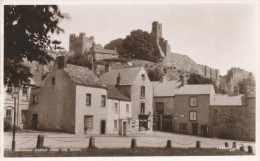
(103, 126)
(194, 128)
(215, 131)
(35, 121)
(204, 130)
(124, 128)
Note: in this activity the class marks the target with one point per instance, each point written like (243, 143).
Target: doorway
(194, 128)
(124, 128)
(35, 121)
(103, 126)
(204, 130)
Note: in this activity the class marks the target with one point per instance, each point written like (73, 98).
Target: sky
(220, 35)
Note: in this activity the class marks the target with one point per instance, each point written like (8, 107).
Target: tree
(140, 45)
(155, 74)
(198, 79)
(27, 30)
(118, 45)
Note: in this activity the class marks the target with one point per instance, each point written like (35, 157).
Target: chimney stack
(61, 62)
(118, 81)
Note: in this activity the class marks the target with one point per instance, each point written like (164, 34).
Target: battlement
(81, 43)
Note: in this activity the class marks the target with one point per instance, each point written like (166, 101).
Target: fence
(91, 142)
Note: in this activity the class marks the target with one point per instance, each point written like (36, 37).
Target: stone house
(192, 113)
(164, 104)
(100, 53)
(135, 83)
(66, 101)
(232, 118)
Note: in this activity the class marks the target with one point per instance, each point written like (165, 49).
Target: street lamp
(15, 95)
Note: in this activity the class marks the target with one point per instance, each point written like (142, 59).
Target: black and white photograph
(130, 79)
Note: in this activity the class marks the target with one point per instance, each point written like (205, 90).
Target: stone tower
(80, 44)
(162, 44)
(156, 30)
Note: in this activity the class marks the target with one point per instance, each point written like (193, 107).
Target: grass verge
(141, 151)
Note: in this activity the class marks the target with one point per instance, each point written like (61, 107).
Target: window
(37, 67)
(193, 101)
(142, 91)
(115, 124)
(88, 99)
(116, 108)
(183, 127)
(231, 112)
(127, 108)
(25, 95)
(231, 128)
(143, 77)
(193, 115)
(35, 99)
(103, 101)
(24, 116)
(88, 122)
(53, 80)
(9, 115)
(160, 107)
(142, 108)
(215, 113)
(9, 92)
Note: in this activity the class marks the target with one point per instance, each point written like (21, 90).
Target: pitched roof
(226, 100)
(195, 89)
(167, 88)
(127, 74)
(114, 93)
(102, 50)
(83, 76)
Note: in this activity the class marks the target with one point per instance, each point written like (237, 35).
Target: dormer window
(143, 77)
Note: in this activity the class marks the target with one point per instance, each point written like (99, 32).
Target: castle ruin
(162, 44)
(80, 44)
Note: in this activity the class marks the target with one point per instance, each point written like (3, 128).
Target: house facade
(192, 113)
(164, 105)
(24, 97)
(135, 83)
(119, 114)
(66, 101)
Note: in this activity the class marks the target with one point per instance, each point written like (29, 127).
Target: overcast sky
(220, 35)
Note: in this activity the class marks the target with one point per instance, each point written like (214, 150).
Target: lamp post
(15, 94)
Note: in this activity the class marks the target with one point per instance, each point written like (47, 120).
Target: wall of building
(240, 126)
(137, 100)
(169, 110)
(101, 56)
(121, 116)
(183, 108)
(95, 109)
(56, 103)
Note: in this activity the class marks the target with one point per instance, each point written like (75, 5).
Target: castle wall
(80, 43)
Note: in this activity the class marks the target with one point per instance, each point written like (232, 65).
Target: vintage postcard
(113, 79)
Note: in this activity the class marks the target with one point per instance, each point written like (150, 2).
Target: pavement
(28, 139)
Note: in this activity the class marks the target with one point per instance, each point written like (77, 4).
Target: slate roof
(165, 89)
(83, 76)
(195, 89)
(226, 100)
(114, 93)
(127, 74)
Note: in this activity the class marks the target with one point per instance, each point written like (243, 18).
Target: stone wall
(81, 43)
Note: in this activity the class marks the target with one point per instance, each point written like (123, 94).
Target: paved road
(156, 139)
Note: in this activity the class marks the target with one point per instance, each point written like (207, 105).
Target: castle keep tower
(164, 47)
(80, 44)
(156, 30)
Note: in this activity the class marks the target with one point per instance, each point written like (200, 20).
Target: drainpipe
(119, 116)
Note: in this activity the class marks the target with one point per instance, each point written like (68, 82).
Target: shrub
(9, 127)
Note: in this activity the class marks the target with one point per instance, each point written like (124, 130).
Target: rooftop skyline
(219, 35)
